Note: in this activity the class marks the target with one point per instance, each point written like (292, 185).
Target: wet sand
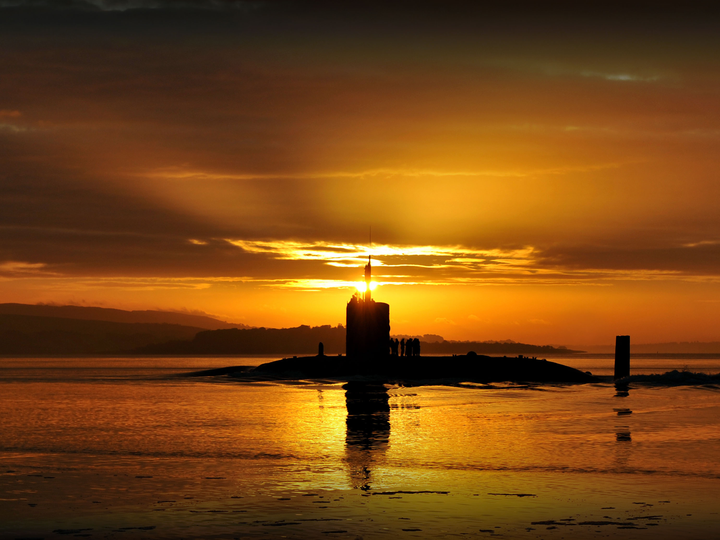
(49, 503)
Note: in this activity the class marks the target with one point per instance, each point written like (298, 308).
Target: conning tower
(368, 323)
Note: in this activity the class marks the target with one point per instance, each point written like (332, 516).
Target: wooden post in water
(622, 356)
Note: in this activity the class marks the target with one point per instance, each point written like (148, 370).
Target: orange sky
(548, 175)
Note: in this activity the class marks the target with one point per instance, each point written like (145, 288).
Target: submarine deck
(471, 368)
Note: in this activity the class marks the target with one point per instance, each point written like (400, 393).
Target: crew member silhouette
(402, 347)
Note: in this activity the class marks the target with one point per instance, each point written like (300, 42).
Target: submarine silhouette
(369, 355)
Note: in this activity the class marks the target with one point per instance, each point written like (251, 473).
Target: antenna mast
(368, 268)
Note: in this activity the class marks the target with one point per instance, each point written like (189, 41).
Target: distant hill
(305, 339)
(492, 348)
(117, 315)
(32, 335)
(290, 341)
(49, 330)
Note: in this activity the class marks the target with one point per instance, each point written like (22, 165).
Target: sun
(362, 287)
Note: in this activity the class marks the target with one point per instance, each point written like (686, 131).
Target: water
(128, 447)
(603, 364)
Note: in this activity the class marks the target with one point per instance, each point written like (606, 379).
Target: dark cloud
(687, 261)
(124, 5)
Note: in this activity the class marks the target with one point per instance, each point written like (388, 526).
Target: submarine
(370, 357)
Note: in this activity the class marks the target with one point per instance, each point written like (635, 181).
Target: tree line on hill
(299, 340)
(304, 340)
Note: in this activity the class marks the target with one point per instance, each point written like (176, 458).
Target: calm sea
(133, 448)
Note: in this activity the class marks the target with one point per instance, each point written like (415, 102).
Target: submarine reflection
(623, 432)
(368, 430)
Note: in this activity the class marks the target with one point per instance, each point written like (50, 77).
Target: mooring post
(622, 356)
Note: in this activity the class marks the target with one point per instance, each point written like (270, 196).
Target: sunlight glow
(354, 255)
(362, 287)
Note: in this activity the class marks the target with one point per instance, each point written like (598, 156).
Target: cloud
(180, 173)
(387, 256)
(622, 77)
(12, 128)
(9, 121)
(125, 5)
(661, 261)
(628, 77)
(458, 265)
(310, 284)
(22, 269)
(701, 243)
(146, 283)
(131, 283)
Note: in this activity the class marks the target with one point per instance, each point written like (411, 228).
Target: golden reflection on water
(432, 430)
(368, 431)
(502, 455)
(319, 435)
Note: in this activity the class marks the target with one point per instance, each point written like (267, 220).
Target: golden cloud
(22, 268)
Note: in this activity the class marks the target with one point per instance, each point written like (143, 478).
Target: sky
(542, 172)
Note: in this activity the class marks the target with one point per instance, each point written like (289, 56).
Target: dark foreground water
(128, 448)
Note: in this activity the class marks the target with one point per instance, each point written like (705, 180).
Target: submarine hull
(470, 368)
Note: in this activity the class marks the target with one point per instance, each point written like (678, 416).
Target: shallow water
(127, 448)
